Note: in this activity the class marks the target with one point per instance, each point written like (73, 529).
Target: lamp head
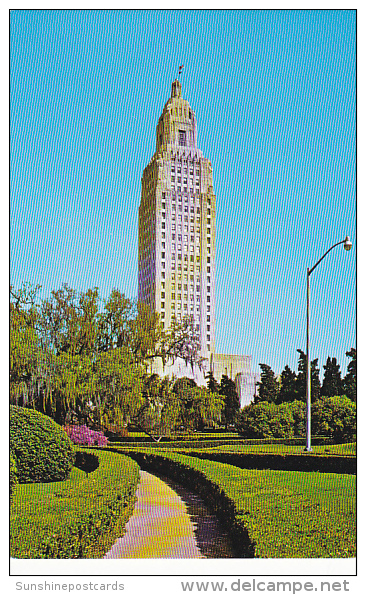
(347, 243)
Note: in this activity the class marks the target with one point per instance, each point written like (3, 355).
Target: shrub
(13, 475)
(298, 410)
(78, 518)
(42, 450)
(265, 420)
(335, 417)
(86, 461)
(85, 436)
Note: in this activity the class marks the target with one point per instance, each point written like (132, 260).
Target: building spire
(176, 88)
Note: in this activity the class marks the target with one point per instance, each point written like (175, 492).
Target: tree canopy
(268, 387)
(77, 357)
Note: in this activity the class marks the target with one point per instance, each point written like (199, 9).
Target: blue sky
(274, 96)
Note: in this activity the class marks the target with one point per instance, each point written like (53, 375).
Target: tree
(212, 383)
(206, 408)
(150, 341)
(115, 322)
(119, 387)
(315, 381)
(350, 379)
(335, 417)
(232, 402)
(76, 363)
(182, 388)
(332, 382)
(25, 348)
(288, 387)
(268, 385)
(198, 407)
(302, 375)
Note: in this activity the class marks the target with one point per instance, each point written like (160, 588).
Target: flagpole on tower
(180, 70)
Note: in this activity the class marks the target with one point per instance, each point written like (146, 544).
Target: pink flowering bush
(85, 436)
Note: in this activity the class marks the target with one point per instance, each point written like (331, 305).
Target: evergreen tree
(268, 387)
(212, 383)
(315, 381)
(301, 378)
(332, 382)
(287, 390)
(350, 379)
(232, 403)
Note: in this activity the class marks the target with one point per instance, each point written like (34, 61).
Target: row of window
(193, 199)
(177, 169)
(185, 180)
(173, 198)
(186, 209)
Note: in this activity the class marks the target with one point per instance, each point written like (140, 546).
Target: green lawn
(332, 449)
(288, 514)
(80, 517)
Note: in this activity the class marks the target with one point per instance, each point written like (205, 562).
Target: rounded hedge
(13, 474)
(42, 450)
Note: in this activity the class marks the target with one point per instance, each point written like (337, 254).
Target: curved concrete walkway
(160, 526)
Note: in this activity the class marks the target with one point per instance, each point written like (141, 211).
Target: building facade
(177, 243)
(177, 232)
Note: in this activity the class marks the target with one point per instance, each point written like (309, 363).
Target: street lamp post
(347, 246)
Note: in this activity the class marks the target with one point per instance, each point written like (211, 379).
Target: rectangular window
(182, 138)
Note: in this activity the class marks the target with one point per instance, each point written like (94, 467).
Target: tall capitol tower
(177, 217)
(177, 243)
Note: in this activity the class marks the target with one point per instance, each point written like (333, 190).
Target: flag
(181, 68)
